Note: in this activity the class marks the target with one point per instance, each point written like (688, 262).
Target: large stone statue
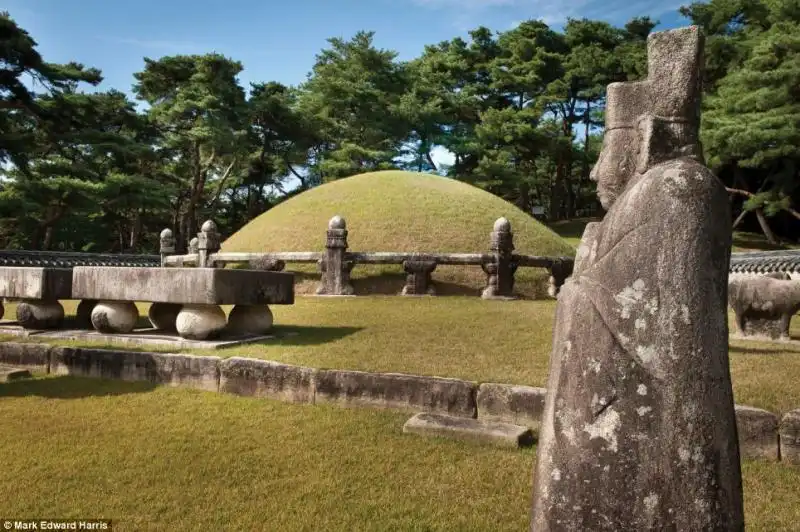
(639, 430)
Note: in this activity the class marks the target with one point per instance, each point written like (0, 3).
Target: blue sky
(277, 40)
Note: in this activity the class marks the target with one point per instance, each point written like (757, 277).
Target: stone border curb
(760, 433)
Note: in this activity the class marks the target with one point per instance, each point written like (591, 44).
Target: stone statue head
(656, 120)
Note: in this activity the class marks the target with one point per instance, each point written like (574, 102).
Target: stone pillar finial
(208, 242)
(335, 269)
(500, 271)
(193, 246)
(167, 245)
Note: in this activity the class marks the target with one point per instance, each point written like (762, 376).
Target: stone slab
(396, 390)
(790, 437)
(521, 405)
(264, 378)
(11, 373)
(201, 372)
(466, 429)
(201, 286)
(19, 282)
(29, 355)
(758, 433)
(148, 338)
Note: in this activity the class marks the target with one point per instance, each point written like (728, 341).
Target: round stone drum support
(35, 314)
(250, 319)
(162, 316)
(200, 322)
(115, 316)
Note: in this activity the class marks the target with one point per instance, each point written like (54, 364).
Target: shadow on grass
(67, 387)
(304, 335)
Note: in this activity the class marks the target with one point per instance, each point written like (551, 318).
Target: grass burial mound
(406, 212)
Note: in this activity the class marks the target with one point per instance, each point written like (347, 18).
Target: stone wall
(762, 435)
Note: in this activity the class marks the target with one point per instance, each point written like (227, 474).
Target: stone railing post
(560, 270)
(208, 242)
(500, 272)
(335, 269)
(418, 276)
(166, 246)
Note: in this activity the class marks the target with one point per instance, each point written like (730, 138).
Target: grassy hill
(400, 211)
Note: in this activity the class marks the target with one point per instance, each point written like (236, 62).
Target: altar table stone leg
(250, 319)
(83, 316)
(36, 314)
(115, 316)
(163, 315)
(200, 322)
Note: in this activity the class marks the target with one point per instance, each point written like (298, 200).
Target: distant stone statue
(639, 430)
(764, 305)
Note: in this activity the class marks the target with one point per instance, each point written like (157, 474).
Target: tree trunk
(136, 231)
(762, 221)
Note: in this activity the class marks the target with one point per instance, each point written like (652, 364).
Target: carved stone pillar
(560, 271)
(167, 246)
(208, 242)
(500, 272)
(335, 269)
(418, 277)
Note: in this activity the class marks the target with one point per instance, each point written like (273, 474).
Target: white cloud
(442, 157)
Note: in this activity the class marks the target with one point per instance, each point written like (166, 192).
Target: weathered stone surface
(522, 405)
(395, 390)
(764, 305)
(468, 429)
(758, 433)
(19, 282)
(40, 314)
(204, 286)
(200, 322)
(790, 437)
(11, 373)
(639, 429)
(163, 316)
(115, 316)
(264, 378)
(32, 356)
(250, 319)
(162, 368)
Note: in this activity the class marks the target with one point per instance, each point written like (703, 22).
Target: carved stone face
(615, 165)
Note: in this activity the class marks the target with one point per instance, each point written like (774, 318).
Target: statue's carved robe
(635, 434)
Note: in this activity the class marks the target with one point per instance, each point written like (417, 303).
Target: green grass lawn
(572, 230)
(156, 458)
(463, 337)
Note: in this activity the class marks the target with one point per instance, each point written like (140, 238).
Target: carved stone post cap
(209, 227)
(166, 234)
(193, 245)
(502, 225)
(337, 222)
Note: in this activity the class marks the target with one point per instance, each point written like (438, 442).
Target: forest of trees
(520, 110)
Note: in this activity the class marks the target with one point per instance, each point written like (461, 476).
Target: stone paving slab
(136, 338)
(12, 373)
(468, 429)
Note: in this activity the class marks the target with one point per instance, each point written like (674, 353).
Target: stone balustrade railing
(336, 263)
